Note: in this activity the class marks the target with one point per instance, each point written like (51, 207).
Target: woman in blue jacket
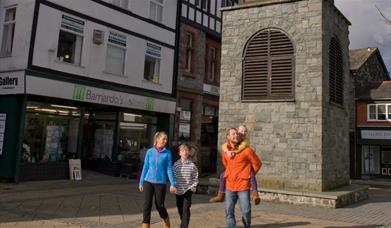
(157, 166)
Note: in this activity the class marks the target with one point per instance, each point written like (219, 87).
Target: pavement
(103, 201)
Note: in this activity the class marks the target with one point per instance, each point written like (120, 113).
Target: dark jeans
(254, 185)
(183, 203)
(159, 192)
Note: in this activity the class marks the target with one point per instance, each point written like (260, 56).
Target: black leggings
(159, 191)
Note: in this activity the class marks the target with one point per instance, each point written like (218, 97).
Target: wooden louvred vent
(335, 72)
(268, 67)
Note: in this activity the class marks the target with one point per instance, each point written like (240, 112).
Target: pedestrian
(244, 142)
(157, 166)
(186, 178)
(237, 174)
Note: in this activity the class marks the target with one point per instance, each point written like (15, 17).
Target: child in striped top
(186, 178)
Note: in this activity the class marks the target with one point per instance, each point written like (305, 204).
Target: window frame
(4, 40)
(77, 34)
(266, 57)
(387, 112)
(159, 4)
(155, 77)
(189, 52)
(123, 47)
(212, 64)
(121, 3)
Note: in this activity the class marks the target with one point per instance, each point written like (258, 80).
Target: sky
(368, 28)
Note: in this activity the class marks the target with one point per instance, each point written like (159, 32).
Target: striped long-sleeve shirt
(186, 176)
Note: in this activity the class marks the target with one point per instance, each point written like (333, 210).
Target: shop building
(373, 150)
(367, 70)
(199, 78)
(88, 79)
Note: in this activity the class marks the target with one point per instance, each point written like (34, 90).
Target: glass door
(370, 160)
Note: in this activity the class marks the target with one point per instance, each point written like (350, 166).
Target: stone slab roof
(376, 91)
(358, 57)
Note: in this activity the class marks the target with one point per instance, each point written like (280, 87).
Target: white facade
(133, 24)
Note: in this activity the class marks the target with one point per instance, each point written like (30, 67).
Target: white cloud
(368, 28)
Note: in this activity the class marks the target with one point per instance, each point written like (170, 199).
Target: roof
(376, 91)
(358, 57)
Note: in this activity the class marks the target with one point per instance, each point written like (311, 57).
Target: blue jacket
(157, 166)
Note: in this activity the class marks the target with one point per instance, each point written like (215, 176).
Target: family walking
(240, 162)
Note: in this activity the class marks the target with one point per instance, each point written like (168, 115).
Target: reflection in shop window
(51, 133)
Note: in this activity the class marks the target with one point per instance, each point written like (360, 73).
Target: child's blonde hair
(183, 146)
(157, 135)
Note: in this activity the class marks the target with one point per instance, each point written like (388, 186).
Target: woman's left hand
(172, 189)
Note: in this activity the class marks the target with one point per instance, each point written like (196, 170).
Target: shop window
(116, 53)
(152, 63)
(370, 159)
(136, 134)
(121, 3)
(189, 52)
(70, 40)
(379, 112)
(185, 119)
(8, 32)
(268, 67)
(51, 133)
(156, 10)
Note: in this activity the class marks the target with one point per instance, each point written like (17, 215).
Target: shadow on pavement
(363, 226)
(277, 225)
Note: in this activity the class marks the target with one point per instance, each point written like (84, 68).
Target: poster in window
(3, 118)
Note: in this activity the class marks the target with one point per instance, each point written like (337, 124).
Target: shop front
(106, 129)
(373, 158)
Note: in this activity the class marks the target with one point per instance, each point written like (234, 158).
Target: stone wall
(288, 136)
(335, 155)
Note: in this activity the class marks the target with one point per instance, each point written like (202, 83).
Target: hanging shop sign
(12, 82)
(70, 91)
(3, 118)
(375, 134)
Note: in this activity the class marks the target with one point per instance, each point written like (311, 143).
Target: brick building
(369, 147)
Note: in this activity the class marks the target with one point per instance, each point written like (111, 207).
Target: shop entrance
(386, 161)
(370, 160)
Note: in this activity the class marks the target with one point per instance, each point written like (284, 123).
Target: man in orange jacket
(237, 174)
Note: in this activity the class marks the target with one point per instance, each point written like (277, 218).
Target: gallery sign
(12, 82)
(375, 134)
(65, 90)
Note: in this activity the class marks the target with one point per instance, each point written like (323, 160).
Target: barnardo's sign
(65, 90)
(12, 82)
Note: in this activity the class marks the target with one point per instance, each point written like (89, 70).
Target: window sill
(68, 64)
(377, 121)
(268, 100)
(114, 74)
(151, 82)
(188, 74)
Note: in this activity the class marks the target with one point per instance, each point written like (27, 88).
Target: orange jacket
(238, 168)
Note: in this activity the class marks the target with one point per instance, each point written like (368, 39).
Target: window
(70, 40)
(268, 67)
(204, 4)
(152, 63)
(116, 53)
(379, 112)
(189, 51)
(212, 73)
(121, 3)
(156, 10)
(185, 119)
(8, 32)
(335, 72)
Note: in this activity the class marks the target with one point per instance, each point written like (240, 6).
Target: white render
(93, 55)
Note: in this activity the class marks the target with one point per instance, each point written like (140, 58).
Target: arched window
(268, 72)
(335, 72)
